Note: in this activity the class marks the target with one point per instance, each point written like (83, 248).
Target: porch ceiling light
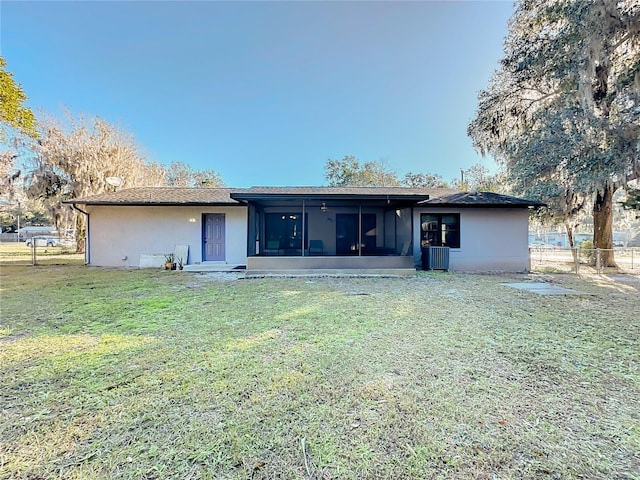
(324, 207)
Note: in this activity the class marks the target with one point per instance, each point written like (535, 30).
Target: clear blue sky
(266, 92)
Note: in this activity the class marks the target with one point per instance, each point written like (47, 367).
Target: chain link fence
(583, 260)
(19, 253)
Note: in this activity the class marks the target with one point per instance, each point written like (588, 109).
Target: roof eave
(154, 204)
(482, 205)
(318, 196)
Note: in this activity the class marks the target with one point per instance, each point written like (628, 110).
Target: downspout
(87, 243)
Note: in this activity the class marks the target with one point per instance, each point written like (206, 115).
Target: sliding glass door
(353, 241)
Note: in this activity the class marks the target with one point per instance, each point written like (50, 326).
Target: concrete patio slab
(333, 272)
(543, 288)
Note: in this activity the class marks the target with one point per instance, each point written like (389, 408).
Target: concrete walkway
(214, 267)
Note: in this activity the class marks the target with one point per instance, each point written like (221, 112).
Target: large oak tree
(562, 113)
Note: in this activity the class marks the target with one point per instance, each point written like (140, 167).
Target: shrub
(586, 250)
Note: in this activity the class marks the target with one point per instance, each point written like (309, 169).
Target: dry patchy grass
(152, 374)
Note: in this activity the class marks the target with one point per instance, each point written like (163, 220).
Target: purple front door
(214, 237)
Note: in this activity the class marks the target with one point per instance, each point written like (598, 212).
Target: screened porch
(327, 227)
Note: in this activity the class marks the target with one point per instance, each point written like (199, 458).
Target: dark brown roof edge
(481, 200)
(155, 204)
(176, 196)
(482, 205)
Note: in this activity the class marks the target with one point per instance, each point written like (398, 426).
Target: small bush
(586, 249)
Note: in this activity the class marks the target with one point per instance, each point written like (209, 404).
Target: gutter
(162, 204)
(244, 197)
(87, 244)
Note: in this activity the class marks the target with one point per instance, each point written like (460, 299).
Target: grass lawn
(110, 373)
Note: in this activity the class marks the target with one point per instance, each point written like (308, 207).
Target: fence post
(33, 251)
(598, 260)
(575, 252)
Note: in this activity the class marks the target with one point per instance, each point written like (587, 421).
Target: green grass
(110, 373)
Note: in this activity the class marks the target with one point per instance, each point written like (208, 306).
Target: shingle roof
(437, 197)
(479, 199)
(345, 193)
(227, 196)
(161, 196)
(364, 191)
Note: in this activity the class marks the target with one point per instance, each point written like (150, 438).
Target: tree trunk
(569, 228)
(80, 233)
(603, 225)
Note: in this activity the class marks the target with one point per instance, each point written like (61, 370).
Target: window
(285, 228)
(440, 230)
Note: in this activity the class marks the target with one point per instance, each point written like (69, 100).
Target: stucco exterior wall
(118, 235)
(491, 239)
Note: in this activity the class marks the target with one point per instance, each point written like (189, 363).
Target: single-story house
(308, 228)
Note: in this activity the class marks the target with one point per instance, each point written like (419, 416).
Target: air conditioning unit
(435, 258)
